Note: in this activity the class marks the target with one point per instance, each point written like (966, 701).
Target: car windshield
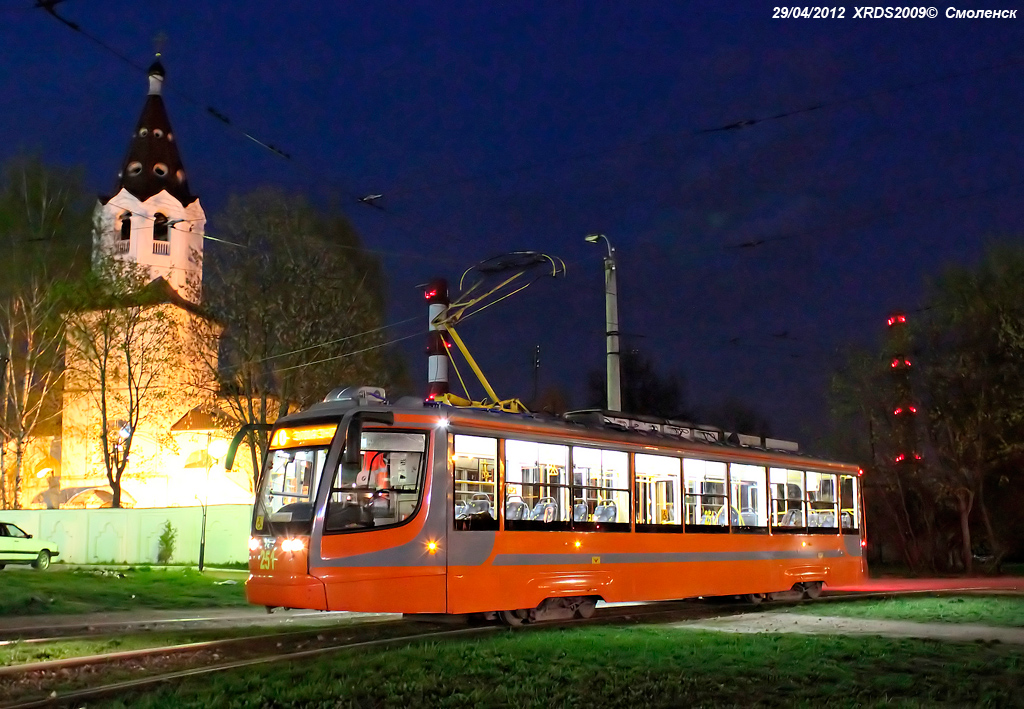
(14, 531)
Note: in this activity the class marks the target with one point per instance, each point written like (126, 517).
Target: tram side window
(600, 487)
(822, 501)
(787, 491)
(849, 505)
(658, 490)
(475, 477)
(704, 483)
(538, 494)
(387, 488)
(748, 496)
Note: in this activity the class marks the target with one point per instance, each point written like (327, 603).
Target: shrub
(165, 549)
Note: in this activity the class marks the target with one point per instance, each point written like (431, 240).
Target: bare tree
(300, 306)
(123, 353)
(31, 321)
(44, 236)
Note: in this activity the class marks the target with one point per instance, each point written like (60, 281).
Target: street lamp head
(593, 238)
(217, 449)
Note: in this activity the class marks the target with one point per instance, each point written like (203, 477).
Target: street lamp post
(611, 305)
(215, 451)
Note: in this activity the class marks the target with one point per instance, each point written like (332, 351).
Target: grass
(87, 590)
(17, 653)
(1002, 611)
(621, 667)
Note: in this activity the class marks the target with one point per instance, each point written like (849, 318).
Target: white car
(17, 547)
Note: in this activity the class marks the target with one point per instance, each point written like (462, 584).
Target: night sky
(490, 129)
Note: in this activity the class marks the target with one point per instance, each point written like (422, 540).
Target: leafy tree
(124, 351)
(300, 304)
(737, 417)
(644, 390)
(973, 371)
(967, 353)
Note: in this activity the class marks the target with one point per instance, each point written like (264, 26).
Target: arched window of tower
(126, 226)
(159, 227)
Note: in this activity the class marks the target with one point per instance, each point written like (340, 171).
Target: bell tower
(153, 218)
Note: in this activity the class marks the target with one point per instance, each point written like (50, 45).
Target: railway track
(74, 680)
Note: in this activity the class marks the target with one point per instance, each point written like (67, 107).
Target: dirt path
(824, 625)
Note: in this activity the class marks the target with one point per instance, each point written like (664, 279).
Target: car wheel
(42, 561)
(2, 566)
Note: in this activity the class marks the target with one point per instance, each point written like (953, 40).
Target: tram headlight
(432, 547)
(254, 543)
(292, 545)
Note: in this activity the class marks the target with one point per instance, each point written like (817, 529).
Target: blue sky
(494, 128)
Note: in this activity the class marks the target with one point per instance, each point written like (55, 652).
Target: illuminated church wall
(152, 219)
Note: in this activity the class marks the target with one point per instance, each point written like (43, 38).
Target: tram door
(473, 511)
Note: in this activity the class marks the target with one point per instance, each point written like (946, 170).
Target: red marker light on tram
(913, 409)
(897, 412)
(863, 543)
(430, 293)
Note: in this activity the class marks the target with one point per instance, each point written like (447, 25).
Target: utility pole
(611, 305)
(536, 374)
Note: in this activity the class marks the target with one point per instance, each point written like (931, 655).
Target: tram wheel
(586, 608)
(754, 598)
(812, 590)
(514, 618)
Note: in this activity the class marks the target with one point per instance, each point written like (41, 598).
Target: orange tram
(420, 509)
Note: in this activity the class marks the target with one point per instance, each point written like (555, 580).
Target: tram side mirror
(229, 458)
(352, 457)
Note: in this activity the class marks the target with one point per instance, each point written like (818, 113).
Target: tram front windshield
(385, 490)
(288, 490)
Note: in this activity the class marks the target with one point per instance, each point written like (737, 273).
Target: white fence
(131, 536)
